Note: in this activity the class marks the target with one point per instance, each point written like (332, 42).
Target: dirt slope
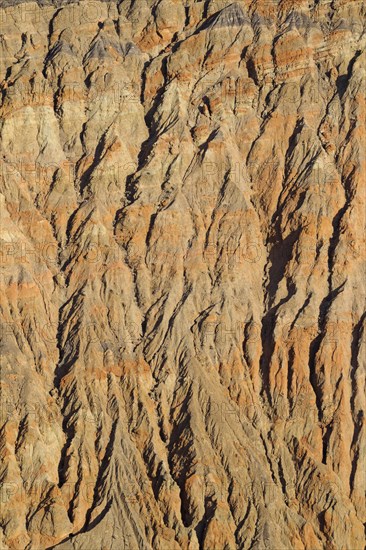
(183, 275)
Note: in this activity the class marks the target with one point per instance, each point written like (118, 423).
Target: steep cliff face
(182, 256)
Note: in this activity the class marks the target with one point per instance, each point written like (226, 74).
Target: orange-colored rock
(182, 275)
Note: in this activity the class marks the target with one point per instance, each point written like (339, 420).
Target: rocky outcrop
(183, 267)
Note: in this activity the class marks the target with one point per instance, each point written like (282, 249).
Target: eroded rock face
(183, 328)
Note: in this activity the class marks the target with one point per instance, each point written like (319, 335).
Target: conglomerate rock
(182, 274)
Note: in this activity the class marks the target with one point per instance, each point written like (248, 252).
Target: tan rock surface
(183, 275)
